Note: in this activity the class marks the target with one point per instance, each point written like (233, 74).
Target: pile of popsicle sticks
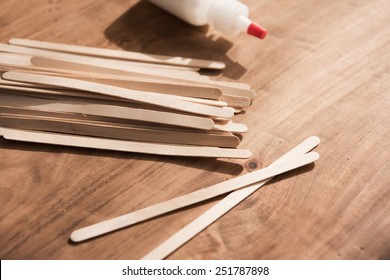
(110, 99)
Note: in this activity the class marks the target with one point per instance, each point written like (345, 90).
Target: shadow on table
(147, 28)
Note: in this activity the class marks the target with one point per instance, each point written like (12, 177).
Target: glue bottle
(228, 16)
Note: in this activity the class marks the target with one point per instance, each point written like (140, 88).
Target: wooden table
(323, 70)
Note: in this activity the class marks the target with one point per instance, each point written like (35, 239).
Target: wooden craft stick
(83, 71)
(191, 198)
(77, 63)
(20, 52)
(119, 131)
(250, 94)
(111, 111)
(138, 96)
(124, 146)
(105, 65)
(74, 66)
(204, 93)
(232, 127)
(16, 84)
(23, 51)
(119, 54)
(236, 101)
(113, 62)
(222, 207)
(46, 90)
(89, 68)
(153, 85)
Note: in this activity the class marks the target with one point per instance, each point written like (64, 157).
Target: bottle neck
(228, 16)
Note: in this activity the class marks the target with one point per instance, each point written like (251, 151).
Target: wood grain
(323, 70)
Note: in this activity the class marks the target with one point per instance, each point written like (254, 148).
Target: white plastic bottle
(228, 16)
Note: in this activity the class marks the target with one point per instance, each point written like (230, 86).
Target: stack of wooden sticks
(110, 99)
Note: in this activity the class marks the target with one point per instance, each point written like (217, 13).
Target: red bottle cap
(257, 31)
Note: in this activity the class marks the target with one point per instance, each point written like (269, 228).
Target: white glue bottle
(228, 16)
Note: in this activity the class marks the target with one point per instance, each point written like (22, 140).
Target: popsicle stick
(105, 65)
(138, 96)
(107, 111)
(15, 84)
(74, 67)
(86, 64)
(222, 207)
(232, 127)
(124, 146)
(137, 83)
(89, 68)
(189, 62)
(113, 121)
(15, 59)
(46, 90)
(19, 52)
(191, 198)
(236, 101)
(23, 56)
(250, 94)
(167, 87)
(118, 131)
(130, 64)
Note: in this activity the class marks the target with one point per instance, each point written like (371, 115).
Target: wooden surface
(323, 70)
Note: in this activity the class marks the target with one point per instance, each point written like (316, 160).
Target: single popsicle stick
(138, 96)
(236, 101)
(15, 59)
(118, 131)
(113, 61)
(121, 145)
(104, 65)
(23, 56)
(237, 92)
(16, 84)
(73, 62)
(35, 88)
(16, 56)
(152, 85)
(107, 111)
(191, 198)
(225, 205)
(119, 54)
(47, 92)
(232, 127)
(19, 52)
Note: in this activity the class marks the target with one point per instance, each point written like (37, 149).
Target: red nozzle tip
(257, 31)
